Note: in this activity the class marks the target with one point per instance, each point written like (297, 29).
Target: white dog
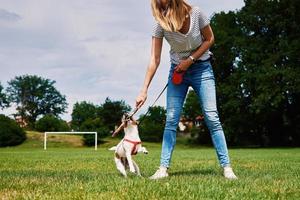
(130, 145)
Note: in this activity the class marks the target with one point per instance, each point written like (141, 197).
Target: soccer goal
(47, 133)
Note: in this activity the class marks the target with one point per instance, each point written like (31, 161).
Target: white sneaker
(228, 173)
(160, 173)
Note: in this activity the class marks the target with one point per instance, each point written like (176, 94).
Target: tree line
(39, 105)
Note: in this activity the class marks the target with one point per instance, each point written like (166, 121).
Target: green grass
(67, 172)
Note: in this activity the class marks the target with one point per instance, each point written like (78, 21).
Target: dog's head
(128, 120)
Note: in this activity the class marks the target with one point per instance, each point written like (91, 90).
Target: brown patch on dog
(125, 162)
(117, 155)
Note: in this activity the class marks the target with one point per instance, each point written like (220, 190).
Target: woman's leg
(203, 83)
(175, 99)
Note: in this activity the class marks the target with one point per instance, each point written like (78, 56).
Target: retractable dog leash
(177, 78)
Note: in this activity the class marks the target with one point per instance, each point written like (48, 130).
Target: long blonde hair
(172, 17)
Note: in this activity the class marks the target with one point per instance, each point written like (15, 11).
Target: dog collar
(135, 143)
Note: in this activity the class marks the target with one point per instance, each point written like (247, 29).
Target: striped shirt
(183, 45)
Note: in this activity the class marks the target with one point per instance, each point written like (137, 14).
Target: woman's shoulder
(196, 9)
(199, 13)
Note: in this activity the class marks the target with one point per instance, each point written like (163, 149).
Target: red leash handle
(177, 77)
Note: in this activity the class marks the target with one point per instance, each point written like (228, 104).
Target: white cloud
(8, 16)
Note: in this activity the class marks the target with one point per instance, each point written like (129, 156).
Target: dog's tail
(114, 148)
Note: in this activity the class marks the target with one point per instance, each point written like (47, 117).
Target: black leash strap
(140, 121)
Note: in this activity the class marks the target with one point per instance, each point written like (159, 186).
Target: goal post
(73, 132)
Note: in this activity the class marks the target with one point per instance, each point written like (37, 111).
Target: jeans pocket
(171, 71)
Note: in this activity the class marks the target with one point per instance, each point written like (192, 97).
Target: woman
(190, 36)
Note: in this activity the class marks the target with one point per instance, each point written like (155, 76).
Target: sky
(93, 49)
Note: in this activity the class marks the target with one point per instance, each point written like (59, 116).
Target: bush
(152, 126)
(11, 133)
(151, 131)
(200, 135)
(94, 125)
(51, 123)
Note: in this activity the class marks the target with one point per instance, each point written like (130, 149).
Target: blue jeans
(201, 78)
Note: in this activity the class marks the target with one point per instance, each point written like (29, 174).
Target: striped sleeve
(157, 31)
(203, 20)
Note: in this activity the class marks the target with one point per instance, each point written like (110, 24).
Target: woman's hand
(140, 100)
(183, 65)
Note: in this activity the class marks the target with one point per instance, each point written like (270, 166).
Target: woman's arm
(208, 40)
(152, 67)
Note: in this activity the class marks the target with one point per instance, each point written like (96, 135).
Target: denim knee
(171, 121)
(212, 120)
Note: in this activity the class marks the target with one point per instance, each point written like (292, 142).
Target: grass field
(68, 172)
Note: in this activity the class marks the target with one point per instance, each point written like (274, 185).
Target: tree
(94, 125)
(81, 112)
(152, 125)
(257, 71)
(111, 112)
(230, 100)
(4, 102)
(102, 119)
(51, 123)
(35, 96)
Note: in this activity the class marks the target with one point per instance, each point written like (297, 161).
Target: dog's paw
(123, 172)
(145, 151)
(134, 173)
